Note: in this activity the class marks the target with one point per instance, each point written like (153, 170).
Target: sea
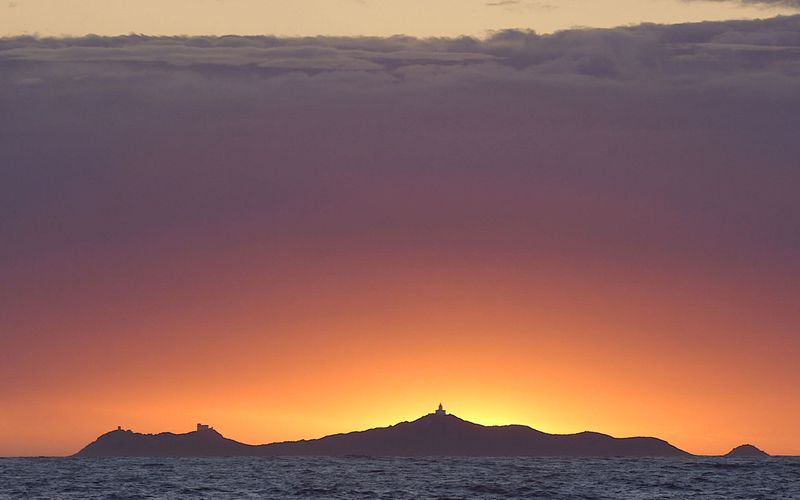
(403, 478)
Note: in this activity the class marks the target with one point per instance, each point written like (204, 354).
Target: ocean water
(364, 477)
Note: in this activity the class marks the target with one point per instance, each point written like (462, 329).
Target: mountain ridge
(434, 434)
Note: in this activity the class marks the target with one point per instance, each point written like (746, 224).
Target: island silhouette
(434, 434)
(746, 451)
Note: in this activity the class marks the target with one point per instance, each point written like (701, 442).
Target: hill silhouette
(436, 434)
(746, 451)
(202, 442)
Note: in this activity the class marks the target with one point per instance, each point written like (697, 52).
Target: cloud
(650, 143)
(766, 3)
(520, 5)
(653, 53)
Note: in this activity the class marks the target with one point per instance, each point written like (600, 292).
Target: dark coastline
(431, 435)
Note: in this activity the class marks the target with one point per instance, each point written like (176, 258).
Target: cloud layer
(778, 3)
(706, 87)
(661, 54)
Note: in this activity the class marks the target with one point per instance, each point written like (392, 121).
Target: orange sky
(339, 344)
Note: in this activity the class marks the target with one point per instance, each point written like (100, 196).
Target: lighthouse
(440, 410)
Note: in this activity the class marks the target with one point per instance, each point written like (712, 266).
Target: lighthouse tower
(440, 410)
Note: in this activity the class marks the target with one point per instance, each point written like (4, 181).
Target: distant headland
(746, 451)
(434, 434)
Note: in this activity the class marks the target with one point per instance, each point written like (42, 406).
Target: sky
(287, 237)
(357, 17)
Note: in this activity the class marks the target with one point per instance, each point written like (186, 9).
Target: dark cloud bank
(651, 146)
